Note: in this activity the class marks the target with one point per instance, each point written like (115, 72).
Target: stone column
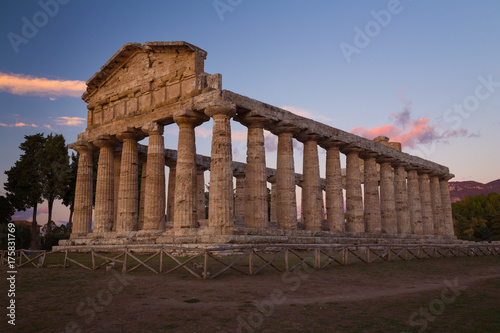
(104, 197)
(354, 198)
(154, 199)
(373, 222)
(142, 192)
(334, 194)
(82, 219)
(426, 203)
(171, 193)
(286, 202)
(128, 196)
(117, 163)
(401, 195)
(221, 174)
(274, 191)
(256, 178)
(414, 201)
(446, 203)
(239, 195)
(185, 178)
(387, 198)
(437, 207)
(200, 197)
(311, 190)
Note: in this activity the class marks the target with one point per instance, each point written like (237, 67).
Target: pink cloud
(69, 121)
(20, 84)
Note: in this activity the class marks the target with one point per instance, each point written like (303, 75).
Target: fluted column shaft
(401, 195)
(255, 180)
(239, 195)
(128, 197)
(414, 202)
(82, 219)
(142, 195)
(371, 199)
(200, 197)
(437, 207)
(286, 202)
(116, 173)
(274, 193)
(426, 203)
(154, 200)
(446, 203)
(334, 195)
(221, 174)
(104, 197)
(311, 190)
(171, 193)
(387, 198)
(354, 198)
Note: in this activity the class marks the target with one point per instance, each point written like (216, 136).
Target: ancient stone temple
(382, 196)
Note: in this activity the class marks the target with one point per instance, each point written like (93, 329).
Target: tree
(6, 210)
(24, 184)
(55, 171)
(68, 198)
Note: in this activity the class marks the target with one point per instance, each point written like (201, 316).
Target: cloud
(306, 113)
(203, 132)
(410, 133)
(239, 136)
(270, 142)
(20, 84)
(21, 124)
(69, 121)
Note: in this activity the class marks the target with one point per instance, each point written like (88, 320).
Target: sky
(424, 73)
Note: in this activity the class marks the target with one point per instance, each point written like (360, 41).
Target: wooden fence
(247, 260)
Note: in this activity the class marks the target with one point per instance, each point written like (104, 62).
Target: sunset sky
(425, 73)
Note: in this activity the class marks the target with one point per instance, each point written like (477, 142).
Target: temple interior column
(437, 207)
(220, 204)
(387, 199)
(426, 202)
(239, 196)
(104, 197)
(333, 189)
(401, 196)
(446, 203)
(200, 197)
(82, 218)
(142, 192)
(311, 190)
(128, 197)
(354, 198)
(274, 190)
(154, 199)
(373, 222)
(171, 193)
(414, 201)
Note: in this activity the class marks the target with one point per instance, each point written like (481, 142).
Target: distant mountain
(459, 190)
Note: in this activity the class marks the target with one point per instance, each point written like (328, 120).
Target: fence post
(205, 264)
(124, 268)
(286, 260)
(250, 261)
(317, 258)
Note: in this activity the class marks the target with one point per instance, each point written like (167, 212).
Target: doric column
(311, 190)
(256, 179)
(426, 203)
(437, 207)
(154, 199)
(185, 179)
(104, 196)
(373, 222)
(142, 191)
(354, 198)
(171, 193)
(414, 201)
(82, 219)
(286, 202)
(274, 193)
(221, 174)
(334, 194)
(401, 195)
(387, 199)
(446, 203)
(239, 194)
(116, 173)
(128, 196)
(200, 197)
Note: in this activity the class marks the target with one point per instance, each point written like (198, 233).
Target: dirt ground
(433, 295)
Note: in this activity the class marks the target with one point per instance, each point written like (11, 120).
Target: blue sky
(418, 72)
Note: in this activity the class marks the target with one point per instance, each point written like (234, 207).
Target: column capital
(421, 171)
(307, 135)
(82, 146)
(399, 163)
(350, 149)
(221, 107)
(447, 177)
(252, 119)
(368, 154)
(106, 141)
(331, 143)
(189, 118)
(152, 127)
(272, 179)
(284, 127)
(385, 159)
(131, 134)
(410, 167)
(239, 174)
